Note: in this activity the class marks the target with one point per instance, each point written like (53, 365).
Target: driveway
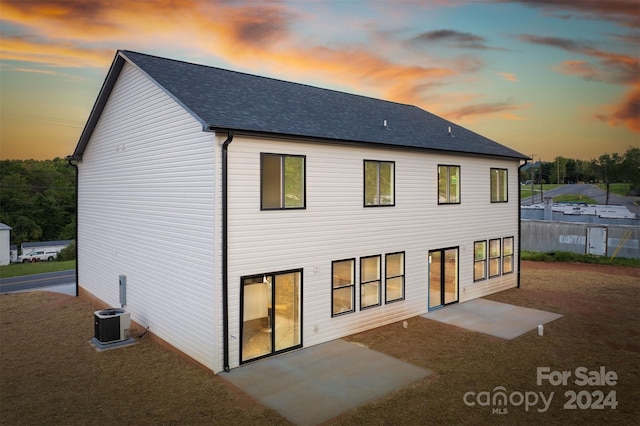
(60, 281)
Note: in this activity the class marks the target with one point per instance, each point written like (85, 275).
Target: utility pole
(541, 194)
(533, 194)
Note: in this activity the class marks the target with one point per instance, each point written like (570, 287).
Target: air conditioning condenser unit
(111, 325)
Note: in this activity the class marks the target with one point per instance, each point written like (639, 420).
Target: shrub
(67, 253)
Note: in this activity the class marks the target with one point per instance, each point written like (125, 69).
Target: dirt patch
(49, 374)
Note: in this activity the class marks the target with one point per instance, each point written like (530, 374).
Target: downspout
(225, 256)
(520, 220)
(69, 159)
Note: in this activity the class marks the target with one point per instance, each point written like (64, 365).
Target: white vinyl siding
(150, 200)
(146, 210)
(336, 225)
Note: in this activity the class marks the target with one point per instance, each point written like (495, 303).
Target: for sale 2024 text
(591, 396)
(582, 376)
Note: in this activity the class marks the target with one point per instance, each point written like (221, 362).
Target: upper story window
(499, 185)
(448, 184)
(282, 181)
(379, 183)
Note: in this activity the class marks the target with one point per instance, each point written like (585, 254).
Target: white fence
(582, 238)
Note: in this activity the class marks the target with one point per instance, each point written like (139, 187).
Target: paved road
(587, 190)
(30, 282)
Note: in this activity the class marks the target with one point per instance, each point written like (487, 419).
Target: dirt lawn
(49, 374)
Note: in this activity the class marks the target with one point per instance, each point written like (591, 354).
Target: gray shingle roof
(229, 100)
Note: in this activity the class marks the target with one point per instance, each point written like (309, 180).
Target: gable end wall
(146, 207)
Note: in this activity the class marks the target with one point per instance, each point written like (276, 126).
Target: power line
(64, 122)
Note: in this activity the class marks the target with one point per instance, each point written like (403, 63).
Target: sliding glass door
(271, 314)
(443, 277)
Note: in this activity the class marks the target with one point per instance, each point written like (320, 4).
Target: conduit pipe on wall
(225, 257)
(520, 220)
(75, 166)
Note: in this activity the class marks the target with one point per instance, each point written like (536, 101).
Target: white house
(253, 216)
(5, 244)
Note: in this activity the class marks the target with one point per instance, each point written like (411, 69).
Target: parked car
(37, 256)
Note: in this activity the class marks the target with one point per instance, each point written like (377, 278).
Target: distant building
(580, 212)
(5, 240)
(44, 245)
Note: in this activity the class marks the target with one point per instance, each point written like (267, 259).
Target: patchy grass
(563, 256)
(599, 328)
(616, 188)
(19, 269)
(527, 192)
(49, 374)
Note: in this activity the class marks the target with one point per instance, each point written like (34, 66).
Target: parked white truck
(37, 256)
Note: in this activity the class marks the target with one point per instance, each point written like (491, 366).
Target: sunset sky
(544, 77)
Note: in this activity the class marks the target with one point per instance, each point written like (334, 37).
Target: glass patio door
(443, 277)
(271, 314)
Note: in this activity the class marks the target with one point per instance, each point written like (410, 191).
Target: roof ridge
(270, 78)
(220, 98)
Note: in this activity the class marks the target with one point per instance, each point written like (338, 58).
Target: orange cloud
(622, 12)
(627, 111)
(251, 35)
(65, 55)
(508, 76)
(504, 109)
(610, 68)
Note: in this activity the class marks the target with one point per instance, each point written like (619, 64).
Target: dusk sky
(544, 77)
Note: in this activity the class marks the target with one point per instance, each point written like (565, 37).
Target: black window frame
(499, 257)
(504, 186)
(387, 277)
(508, 256)
(364, 283)
(340, 287)
(262, 278)
(484, 261)
(283, 183)
(364, 184)
(448, 171)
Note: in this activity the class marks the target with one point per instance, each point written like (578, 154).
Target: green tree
(610, 170)
(24, 230)
(37, 199)
(631, 168)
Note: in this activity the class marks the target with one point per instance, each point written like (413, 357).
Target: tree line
(606, 169)
(37, 199)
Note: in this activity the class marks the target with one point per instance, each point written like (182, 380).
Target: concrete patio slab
(315, 384)
(493, 318)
